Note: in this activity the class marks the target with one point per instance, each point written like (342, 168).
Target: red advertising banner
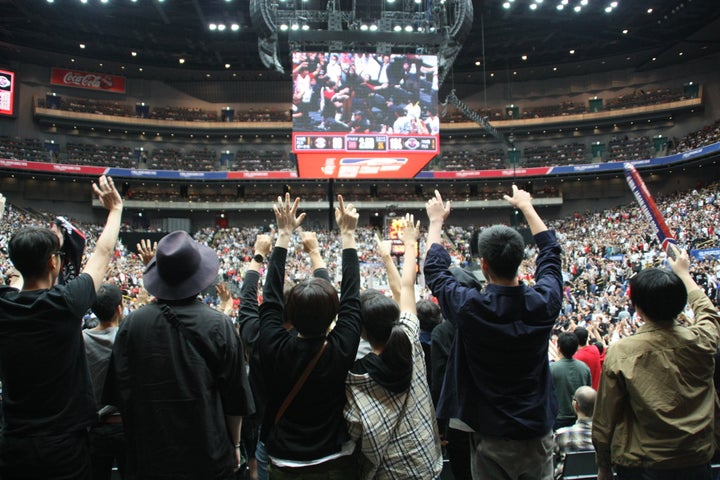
(269, 175)
(89, 80)
(51, 167)
(7, 93)
(506, 173)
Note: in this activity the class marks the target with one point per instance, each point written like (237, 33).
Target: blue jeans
(262, 460)
(702, 472)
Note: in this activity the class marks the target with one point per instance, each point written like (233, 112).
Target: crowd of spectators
(170, 113)
(456, 157)
(108, 155)
(601, 251)
(624, 149)
(638, 98)
(562, 154)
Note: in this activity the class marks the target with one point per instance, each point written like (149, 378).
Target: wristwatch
(259, 258)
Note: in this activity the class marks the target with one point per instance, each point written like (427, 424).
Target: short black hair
(311, 306)
(30, 249)
(380, 318)
(582, 335)
(108, 298)
(429, 314)
(503, 249)
(659, 293)
(567, 344)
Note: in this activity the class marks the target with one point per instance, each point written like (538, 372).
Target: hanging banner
(89, 80)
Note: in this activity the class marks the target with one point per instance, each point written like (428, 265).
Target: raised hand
(2, 205)
(223, 292)
(410, 231)
(146, 250)
(263, 244)
(346, 216)
(310, 242)
(520, 198)
(107, 193)
(384, 246)
(286, 215)
(437, 211)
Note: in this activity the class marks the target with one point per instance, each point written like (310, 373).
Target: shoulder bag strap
(301, 381)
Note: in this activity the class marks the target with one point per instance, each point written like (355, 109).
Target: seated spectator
(577, 437)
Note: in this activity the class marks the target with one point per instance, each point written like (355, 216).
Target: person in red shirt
(589, 354)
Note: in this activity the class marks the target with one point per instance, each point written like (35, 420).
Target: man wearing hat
(180, 377)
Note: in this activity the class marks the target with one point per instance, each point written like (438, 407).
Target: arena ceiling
(101, 35)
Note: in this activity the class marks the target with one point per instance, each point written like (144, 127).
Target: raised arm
(346, 217)
(409, 234)
(311, 246)
(393, 275)
(2, 205)
(522, 200)
(110, 199)
(437, 212)
(249, 315)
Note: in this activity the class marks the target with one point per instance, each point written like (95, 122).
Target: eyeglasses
(59, 253)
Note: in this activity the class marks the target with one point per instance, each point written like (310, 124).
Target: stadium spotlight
(234, 27)
(408, 28)
(560, 6)
(212, 27)
(373, 28)
(221, 27)
(533, 6)
(397, 28)
(284, 27)
(506, 5)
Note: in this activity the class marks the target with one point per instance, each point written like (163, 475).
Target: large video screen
(363, 115)
(7, 93)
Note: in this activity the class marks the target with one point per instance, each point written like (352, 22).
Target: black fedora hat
(181, 267)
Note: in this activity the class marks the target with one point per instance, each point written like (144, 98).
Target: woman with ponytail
(389, 411)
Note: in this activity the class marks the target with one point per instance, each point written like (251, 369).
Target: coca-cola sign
(90, 80)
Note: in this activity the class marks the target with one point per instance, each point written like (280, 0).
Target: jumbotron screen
(7, 93)
(362, 115)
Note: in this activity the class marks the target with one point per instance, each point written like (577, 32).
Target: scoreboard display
(8, 89)
(364, 115)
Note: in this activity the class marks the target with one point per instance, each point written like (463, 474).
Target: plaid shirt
(575, 438)
(397, 433)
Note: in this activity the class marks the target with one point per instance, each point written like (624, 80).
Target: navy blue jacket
(498, 377)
